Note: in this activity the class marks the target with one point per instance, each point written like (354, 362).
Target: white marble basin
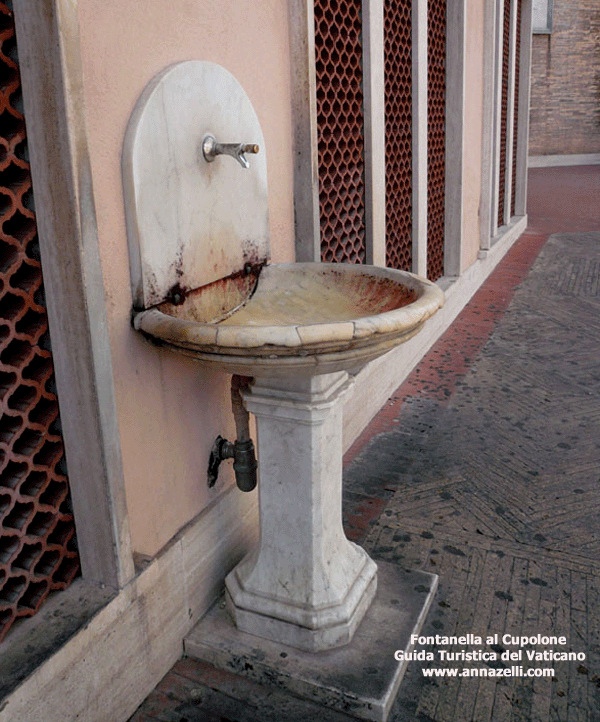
(286, 318)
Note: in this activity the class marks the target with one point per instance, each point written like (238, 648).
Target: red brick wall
(565, 82)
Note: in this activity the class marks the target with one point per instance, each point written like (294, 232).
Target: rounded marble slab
(190, 221)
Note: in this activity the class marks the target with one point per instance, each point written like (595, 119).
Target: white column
(304, 116)
(374, 110)
(419, 132)
(305, 585)
(523, 119)
(488, 162)
(455, 104)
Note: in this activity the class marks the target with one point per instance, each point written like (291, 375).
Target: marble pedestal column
(305, 585)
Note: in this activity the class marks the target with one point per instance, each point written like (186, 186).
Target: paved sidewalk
(484, 468)
(497, 490)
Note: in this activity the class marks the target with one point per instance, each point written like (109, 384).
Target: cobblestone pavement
(483, 468)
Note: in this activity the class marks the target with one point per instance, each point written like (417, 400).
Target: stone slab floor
(484, 468)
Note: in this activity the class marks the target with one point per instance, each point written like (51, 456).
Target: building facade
(565, 82)
(396, 134)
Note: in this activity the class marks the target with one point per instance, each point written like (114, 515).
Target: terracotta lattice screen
(38, 551)
(436, 137)
(340, 123)
(398, 133)
(516, 109)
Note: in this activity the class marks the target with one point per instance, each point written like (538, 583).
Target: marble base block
(360, 679)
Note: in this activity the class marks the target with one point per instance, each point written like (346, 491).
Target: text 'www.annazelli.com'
(515, 671)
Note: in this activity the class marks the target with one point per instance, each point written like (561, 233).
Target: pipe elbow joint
(244, 465)
(244, 462)
(242, 451)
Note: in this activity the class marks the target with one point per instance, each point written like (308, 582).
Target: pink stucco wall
(169, 409)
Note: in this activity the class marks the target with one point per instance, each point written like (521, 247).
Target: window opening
(38, 551)
(543, 16)
(516, 110)
(340, 128)
(436, 138)
(398, 133)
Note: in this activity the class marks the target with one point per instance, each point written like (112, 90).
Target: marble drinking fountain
(308, 610)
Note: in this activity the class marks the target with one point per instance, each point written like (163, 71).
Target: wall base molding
(550, 161)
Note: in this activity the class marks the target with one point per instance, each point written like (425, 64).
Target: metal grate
(516, 110)
(504, 114)
(37, 535)
(436, 137)
(340, 122)
(398, 133)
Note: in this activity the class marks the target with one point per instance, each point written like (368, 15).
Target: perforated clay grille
(340, 122)
(436, 137)
(37, 535)
(504, 113)
(398, 133)
(516, 110)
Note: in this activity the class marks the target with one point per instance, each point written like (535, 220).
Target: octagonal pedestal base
(332, 626)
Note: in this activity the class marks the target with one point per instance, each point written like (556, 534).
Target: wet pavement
(484, 467)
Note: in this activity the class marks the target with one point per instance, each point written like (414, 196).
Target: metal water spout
(211, 149)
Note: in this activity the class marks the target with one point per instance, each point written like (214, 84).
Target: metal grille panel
(398, 133)
(436, 137)
(504, 113)
(340, 123)
(516, 110)
(38, 551)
